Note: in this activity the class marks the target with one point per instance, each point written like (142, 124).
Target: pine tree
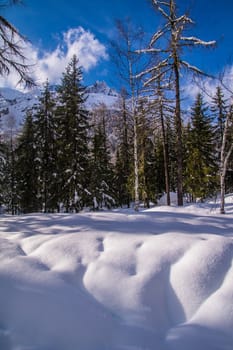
(9, 176)
(201, 166)
(26, 168)
(72, 139)
(101, 169)
(45, 133)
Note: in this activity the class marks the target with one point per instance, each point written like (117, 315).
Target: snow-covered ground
(160, 279)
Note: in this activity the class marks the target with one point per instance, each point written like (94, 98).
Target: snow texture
(157, 279)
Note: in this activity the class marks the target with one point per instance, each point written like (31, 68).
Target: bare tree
(164, 109)
(126, 62)
(226, 151)
(171, 62)
(12, 58)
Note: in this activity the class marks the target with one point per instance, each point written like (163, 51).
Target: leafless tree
(12, 57)
(226, 151)
(171, 62)
(126, 62)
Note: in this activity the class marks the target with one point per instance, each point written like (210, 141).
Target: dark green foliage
(46, 149)
(146, 156)
(201, 165)
(123, 166)
(26, 168)
(72, 141)
(219, 111)
(101, 183)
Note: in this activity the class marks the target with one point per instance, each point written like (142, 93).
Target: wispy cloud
(51, 64)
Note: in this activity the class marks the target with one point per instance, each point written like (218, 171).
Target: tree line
(62, 159)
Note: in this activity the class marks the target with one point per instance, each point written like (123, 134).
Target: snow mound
(117, 280)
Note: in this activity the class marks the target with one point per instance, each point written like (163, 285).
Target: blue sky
(85, 27)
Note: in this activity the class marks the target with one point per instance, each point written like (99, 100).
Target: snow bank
(158, 279)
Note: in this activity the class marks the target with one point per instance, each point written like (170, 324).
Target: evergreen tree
(9, 176)
(123, 166)
(201, 167)
(219, 112)
(159, 174)
(101, 169)
(72, 139)
(26, 168)
(45, 133)
(146, 154)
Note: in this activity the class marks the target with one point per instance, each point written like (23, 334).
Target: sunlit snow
(160, 279)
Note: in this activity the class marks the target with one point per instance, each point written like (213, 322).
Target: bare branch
(12, 57)
(157, 3)
(151, 50)
(154, 68)
(195, 69)
(156, 77)
(185, 19)
(196, 41)
(156, 36)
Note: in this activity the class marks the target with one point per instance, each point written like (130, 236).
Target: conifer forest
(62, 158)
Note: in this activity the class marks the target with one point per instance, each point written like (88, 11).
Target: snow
(161, 279)
(14, 103)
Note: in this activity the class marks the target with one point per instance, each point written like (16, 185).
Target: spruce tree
(124, 158)
(201, 167)
(101, 169)
(219, 112)
(26, 168)
(45, 132)
(9, 176)
(72, 139)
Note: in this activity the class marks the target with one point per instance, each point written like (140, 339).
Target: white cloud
(207, 86)
(51, 64)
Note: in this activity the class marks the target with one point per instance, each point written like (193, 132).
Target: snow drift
(159, 279)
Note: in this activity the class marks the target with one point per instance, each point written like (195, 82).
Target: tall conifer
(72, 138)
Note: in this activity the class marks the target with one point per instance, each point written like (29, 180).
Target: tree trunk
(222, 195)
(136, 181)
(165, 155)
(225, 155)
(179, 143)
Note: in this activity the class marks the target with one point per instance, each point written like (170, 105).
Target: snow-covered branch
(156, 77)
(156, 36)
(194, 69)
(196, 41)
(149, 50)
(154, 68)
(185, 19)
(157, 5)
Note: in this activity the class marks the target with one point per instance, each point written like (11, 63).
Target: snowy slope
(100, 93)
(161, 279)
(14, 103)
